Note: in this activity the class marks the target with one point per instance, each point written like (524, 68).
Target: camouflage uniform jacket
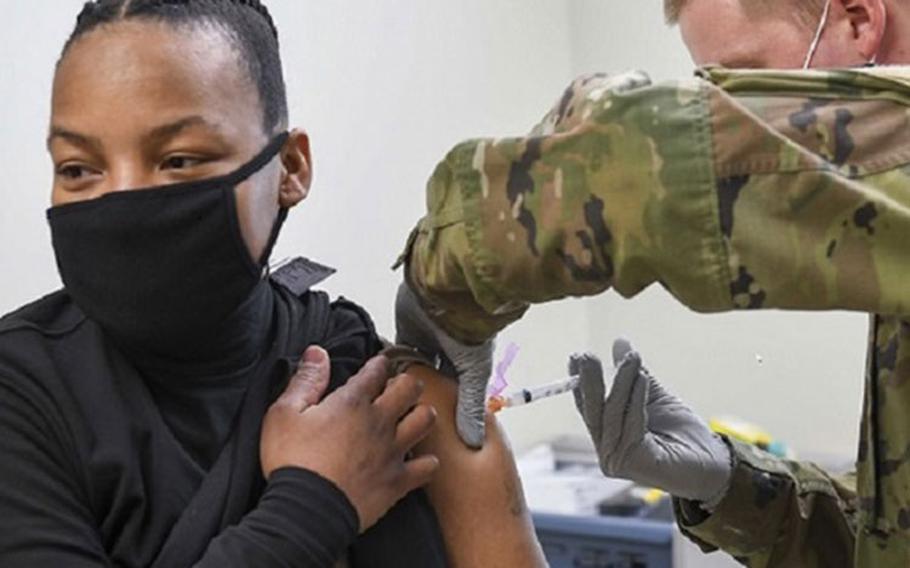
(735, 190)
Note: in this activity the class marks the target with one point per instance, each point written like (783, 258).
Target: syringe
(527, 396)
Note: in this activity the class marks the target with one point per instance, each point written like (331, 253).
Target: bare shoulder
(477, 494)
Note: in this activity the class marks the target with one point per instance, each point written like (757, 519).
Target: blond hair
(808, 11)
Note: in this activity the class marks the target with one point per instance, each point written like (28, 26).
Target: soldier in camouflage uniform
(734, 190)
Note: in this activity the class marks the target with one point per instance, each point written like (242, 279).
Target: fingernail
(315, 355)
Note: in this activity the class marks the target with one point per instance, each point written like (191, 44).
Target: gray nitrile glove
(472, 363)
(645, 434)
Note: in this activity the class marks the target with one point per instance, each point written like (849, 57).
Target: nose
(127, 175)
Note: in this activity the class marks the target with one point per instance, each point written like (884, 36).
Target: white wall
(31, 35)
(385, 88)
(614, 36)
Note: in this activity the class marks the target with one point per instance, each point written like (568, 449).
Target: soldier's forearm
(674, 184)
(572, 213)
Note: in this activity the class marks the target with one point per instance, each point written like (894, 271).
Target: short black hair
(247, 24)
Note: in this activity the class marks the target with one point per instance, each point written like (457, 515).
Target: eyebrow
(172, 129)
(159, 133)
(72, 137)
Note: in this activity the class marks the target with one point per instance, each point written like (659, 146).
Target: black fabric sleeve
(45, 521)
(302, 520)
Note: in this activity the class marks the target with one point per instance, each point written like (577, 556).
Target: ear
(297, 169)
(868, 22)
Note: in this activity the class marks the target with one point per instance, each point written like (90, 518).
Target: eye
(73, 172)
(180, 162)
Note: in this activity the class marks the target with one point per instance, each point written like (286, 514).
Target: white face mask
(818, 35)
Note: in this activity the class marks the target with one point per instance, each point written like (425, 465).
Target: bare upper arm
(477, 494)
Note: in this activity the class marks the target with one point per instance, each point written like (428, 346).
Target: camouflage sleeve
(625, 184)
(777, 513)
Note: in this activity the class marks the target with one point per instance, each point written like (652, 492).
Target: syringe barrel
(527, 396)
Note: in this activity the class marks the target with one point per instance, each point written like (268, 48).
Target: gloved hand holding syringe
(641, 432)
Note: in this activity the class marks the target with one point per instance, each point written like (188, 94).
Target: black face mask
(160, 269)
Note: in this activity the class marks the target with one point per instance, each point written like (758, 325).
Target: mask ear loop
(818, 35)
(273, 240)
(272, 149)
(279, 220)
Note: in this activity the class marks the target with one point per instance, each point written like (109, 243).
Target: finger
(667, 415)
(400, 396)
(658, 396)
(635, 422)
(309, 382)
(474, 362)
(621, 348)
(579, 397)
(371, 380)
(418, 472)
(469, 413)
(578, 394)
(589, 396)
(617, 403)
(416, 426)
